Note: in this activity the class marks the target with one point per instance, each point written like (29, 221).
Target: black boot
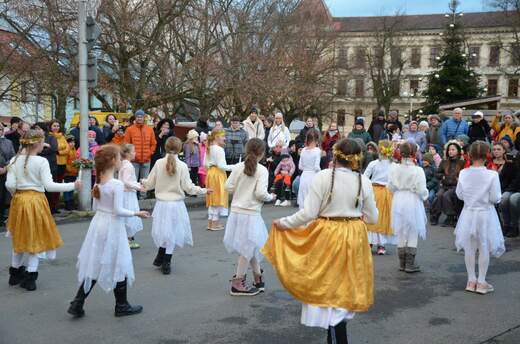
(76, 305)
(123, 308)
(401, 252)
(16, 275)
(447, 222)
(69, 205)
(434, 220)
(166, 264)
(337, 334)
(29, 281)
(160, 257)
(410, 260)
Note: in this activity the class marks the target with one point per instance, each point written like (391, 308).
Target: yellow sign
(101, 116)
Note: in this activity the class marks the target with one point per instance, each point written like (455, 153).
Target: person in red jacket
(329, 140)
(143, 138)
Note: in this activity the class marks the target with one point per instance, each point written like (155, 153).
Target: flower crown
(218, 133)
(386, 152)
(31, 141)
(354, 159)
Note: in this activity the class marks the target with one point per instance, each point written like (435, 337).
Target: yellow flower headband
(218, 133)
(387, 152)
(31, 141)
(354, 159)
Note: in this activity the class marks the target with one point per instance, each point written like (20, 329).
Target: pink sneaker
(239, 287)
(484, 288)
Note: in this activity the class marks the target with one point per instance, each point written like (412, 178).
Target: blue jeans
(69, 196)
(296, 185)
(431, 196)
(141, 172)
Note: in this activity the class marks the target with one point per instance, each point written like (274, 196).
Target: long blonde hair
(213, 136)
(126, 149)
(31, 138)
(172, 147)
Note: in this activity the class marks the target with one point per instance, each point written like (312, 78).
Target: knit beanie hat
(428, 157)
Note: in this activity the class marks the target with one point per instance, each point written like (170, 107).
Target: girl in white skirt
(171, 226)
(407, 182)
(478, 227)
(309, 164)
(246, 233)
(381, 233)
(127, 176)
(105, 257)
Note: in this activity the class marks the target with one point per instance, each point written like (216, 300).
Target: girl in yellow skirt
(381, 233)
(336, 285)
(30, 224)
(215, 164)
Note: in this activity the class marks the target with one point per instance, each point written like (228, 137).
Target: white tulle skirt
(381, 239)
(305, 184)
(171, 225)
(482, 225)
(132, 224)
(408, 214)
(105, 255)
(245, 234)
(314, 316)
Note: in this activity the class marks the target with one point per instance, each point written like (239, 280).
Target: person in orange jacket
(71, 172)
(143, 138)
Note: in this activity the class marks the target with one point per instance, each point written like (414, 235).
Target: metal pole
(84, 194)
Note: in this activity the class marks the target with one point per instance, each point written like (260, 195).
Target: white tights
(31, 259)
(470, 260)
(243, 263)
(409, 240)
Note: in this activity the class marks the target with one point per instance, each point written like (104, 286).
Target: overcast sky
(352, 8)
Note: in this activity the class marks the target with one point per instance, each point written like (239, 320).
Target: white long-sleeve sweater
(171, 188)
(37, 178)
(343, 200)
(408, 177)
(249, 192)
(217, 157)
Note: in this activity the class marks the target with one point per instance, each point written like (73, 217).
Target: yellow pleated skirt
(384, 206)
(31, 225)
(215, 180)
(327, 264)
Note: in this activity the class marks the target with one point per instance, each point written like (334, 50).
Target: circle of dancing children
(105, 258)
(377, 171)
(126, 174)
(30, 224)
(171, 226)
(336, 285)
(478, 227)
(407, 183)
(245, 229)
(215, 163)
(309, 164)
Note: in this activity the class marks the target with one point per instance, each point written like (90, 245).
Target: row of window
(359, 59)
(360, 89)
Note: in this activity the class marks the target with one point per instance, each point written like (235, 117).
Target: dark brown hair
(172, 147)
(478, 150)
(347, 147)
(407, 150)
(52, 122)
(313, 136)
(105, 159)
(255, 149)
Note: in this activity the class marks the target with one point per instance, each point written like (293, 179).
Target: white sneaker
(286, 204)
(277, 203)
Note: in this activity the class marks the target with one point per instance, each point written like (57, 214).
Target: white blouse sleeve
(232, 181)
(459, 191)
(317, 161)
(221, 160)
(149, 183)
(127, 176)
(261, 192)
(369, 209)
(495, 192)
(421, 188)
(311, 208)
(48, 183)
(370, 169)
(186, 184)
(119, 210)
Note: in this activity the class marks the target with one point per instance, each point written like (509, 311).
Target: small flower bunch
(83, 163)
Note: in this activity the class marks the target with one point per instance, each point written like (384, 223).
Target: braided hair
(347, 153)
(27, 142)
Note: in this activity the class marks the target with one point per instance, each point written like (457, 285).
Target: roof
(469, 102)
(424, 22)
